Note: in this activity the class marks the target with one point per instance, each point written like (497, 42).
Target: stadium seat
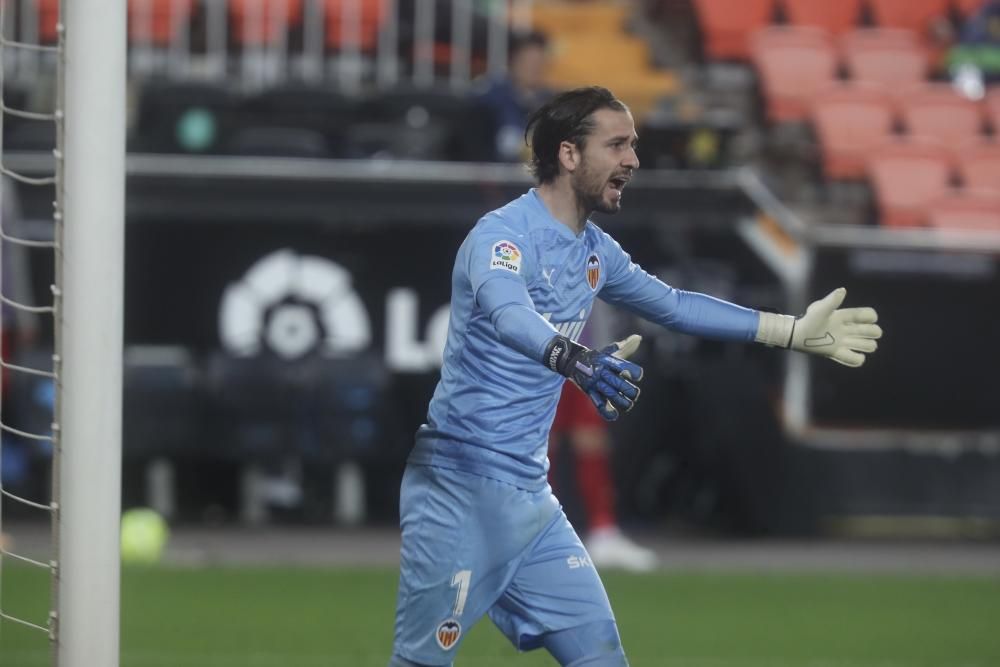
(263, 22)
(966, 210)
(979, 166)
(726, 26)
(911, 14)
(373, 12)
(310, 121)
(418, 124)
(834, 17)
(157, 22)
(792, 64)
(850, 120)
(936, 111)
(886, 58)
(906, 176)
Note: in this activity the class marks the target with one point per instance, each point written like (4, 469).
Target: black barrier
(938, 366)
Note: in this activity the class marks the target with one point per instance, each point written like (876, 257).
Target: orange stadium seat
(793, 64)
(262, 22)
(850, 120)
(936, 111)
(979, 166)
(373, 12)
(157, 21)
(906, 176)
(911, 14)
(726, 25)
(835, 17)
(966, 210)
(884, 58)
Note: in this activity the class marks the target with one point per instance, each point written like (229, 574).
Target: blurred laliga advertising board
(293, 260)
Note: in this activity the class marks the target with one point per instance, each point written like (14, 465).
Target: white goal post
(90, 332)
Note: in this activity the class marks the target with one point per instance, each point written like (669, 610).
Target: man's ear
(569, 156)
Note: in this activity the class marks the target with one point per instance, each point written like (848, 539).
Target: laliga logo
(294, 304)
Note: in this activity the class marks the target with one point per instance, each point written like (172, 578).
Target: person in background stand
(509, 101)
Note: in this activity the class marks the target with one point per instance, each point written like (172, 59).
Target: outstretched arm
(845, 335)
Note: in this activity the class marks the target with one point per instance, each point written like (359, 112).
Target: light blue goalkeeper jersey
(520, 278)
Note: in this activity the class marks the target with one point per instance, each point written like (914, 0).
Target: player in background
(579, 427)
(482, 532)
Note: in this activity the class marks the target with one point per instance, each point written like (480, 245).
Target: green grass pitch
(282, 617)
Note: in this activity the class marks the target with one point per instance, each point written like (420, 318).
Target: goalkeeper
(482, 533)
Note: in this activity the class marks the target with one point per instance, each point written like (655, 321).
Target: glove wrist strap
(775, 330)
(559, 354)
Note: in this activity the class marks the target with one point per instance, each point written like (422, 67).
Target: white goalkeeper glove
(845, 335)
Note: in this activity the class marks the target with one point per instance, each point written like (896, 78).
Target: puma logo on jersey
(547, 274)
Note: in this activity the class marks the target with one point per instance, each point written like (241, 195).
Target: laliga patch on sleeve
(506, 256)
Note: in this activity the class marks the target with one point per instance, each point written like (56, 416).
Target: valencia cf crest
(593, 271)
(448, 633)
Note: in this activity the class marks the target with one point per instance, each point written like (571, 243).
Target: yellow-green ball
(144, 536)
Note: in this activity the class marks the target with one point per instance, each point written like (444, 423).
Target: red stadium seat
(905, 176)
(262, 22)
(726, 25)
(911, 14)
(834, 17)
(850, 120)
(157, 21)
(793, 64)
(862, 38)
(966, 210)
(936, 111)
(886, 58)
(979, 166)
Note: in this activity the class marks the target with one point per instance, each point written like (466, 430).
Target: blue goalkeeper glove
(604, 375)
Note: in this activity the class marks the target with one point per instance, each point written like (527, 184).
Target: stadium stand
(726, 26)
(936, 111)
(623, 62)
(793, 64)
(885, 58)
(906, 176)
(262, 22)
(979, 166)
(966, 210)
(850, 120)
(834, 17)
(912, 14)
(157, 22)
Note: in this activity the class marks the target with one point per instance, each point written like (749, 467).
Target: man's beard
(589, 190)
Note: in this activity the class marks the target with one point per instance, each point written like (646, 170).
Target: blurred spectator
(977, 53)
(509, 101)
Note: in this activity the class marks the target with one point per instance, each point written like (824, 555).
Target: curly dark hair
(566, 117)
